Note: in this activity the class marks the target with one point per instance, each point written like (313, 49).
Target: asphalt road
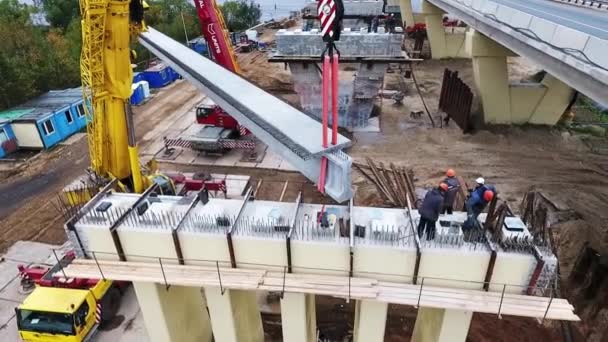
(590, 21)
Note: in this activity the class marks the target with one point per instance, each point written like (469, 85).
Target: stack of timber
(394, 183)
(341, 286)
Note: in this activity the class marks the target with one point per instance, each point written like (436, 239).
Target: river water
(276, 9)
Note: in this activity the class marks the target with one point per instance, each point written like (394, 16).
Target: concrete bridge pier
(370, 321)
(441, 325)
(407, 13)
(442, 45)
(503, 102)
(235, 316)
(174, 314)
(298, 317)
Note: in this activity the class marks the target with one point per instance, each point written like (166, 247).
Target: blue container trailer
(8, 142)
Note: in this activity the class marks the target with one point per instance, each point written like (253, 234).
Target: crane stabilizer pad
(269, 118)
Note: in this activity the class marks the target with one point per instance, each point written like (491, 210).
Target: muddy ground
(560, 164)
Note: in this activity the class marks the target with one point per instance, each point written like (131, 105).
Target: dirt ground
(560, 164)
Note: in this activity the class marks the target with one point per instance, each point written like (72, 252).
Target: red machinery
(214, 31)
(43, 276)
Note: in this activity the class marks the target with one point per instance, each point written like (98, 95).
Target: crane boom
(106, 84)
(214, 30)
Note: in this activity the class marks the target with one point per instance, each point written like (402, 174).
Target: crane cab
(57, 315)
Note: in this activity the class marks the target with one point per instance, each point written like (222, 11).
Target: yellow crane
(107, 75)
(72, 311)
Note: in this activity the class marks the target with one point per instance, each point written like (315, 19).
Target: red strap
(324, 97)
(334, 99)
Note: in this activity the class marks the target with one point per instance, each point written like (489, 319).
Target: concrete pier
(442, 45)
(235, 316)
(503, 102)
(441, 325)
(298, 317)
(174, 314)
(370, 321)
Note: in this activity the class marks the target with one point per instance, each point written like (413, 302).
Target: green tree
(32, 60)
(240, 15)
(61, 13)
(20, 56)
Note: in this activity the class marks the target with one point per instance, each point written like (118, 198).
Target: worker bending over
(430, 210)
(477, 202)
(450, 195)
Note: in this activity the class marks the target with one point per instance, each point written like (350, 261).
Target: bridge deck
(586, 20)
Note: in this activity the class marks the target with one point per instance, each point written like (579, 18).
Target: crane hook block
(331, 13)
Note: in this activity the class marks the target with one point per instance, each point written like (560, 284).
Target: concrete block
(543, 28)
(597, 51)
(567, 37)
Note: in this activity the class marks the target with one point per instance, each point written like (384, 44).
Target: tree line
(36, 58)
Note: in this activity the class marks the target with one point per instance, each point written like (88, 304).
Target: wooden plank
(283, 192)
(336, 286)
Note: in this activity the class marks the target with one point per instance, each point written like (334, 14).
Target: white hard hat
(480, 180)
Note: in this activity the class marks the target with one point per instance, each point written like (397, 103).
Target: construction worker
(430, 210)
(477, 202)
(390, 23)
(374, 24)
(450, 195)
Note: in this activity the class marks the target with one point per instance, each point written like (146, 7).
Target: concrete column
(235, 316)
(298, 317)
(436, 34)
(491, 76)
(441, 325)
(174, 315)
(492, 81)
(553, 104)
(370, 321)
(407, 14)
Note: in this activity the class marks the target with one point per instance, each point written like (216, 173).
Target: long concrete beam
(513, 29)
(287, 131)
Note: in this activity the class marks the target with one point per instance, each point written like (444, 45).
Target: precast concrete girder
(351, 44)
(355, 8)
(293, 135)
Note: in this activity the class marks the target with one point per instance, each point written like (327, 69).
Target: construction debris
(395, 184)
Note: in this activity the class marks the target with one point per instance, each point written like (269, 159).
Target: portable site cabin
(49, 119)
(8, 142)
(159, 76)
